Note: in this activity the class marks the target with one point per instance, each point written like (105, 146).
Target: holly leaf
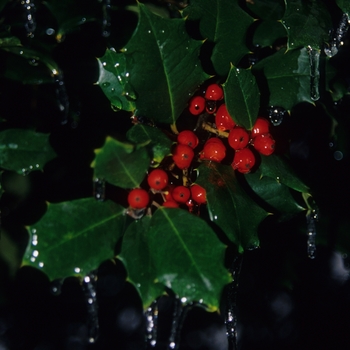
(24, 150)
(287, 76)
(275, 167)
(137, 258)
(344, 5)
(121, 164)
(193, 273)
(242, 97)
(308, 23)
(267, 9)
(160, 143)
(267, 32)
(220, 22)
(163, 66)
(113, 80)
(228, 205)
(75, 237)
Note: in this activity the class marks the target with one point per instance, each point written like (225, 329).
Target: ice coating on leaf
(314, 57)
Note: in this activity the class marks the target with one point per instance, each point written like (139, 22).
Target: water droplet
(33, 62)
(50, 31)
(106, 84)
(338, 155)
(41, 264)
(311, 218)
(152, 323)
(56, 286)
(77, 269)
(99, 189)
(149, 31)
(129, 92)
(30, 23)
(276, 115)
(13, 145)
(314, 59)
(104, 64)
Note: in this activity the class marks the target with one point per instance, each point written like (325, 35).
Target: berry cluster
(172, 184)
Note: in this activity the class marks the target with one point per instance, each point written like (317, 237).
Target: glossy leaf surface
(24, 150)
(268, 32)
(267, 9)
(75, 237)
(220, 21)
(242, 97)
(121, 164)
(168, 70)
(159, 142)
(113, 80)
(344, 5)
(288, 77)
(307, 22)
(229, 205)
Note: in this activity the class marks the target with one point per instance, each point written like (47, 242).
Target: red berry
(238, 138)
(157, 179)
(213, 150)
(215, 140)
(261, 126)
(181, 194)
(214, 92)
(198, 194)
(223, 120)
(264, 144)
(170, 204)
(197, 105)
(243, 160)
(138, 198)
(188, 137)
(183, 156)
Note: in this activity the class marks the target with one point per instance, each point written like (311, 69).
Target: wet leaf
(268, 32)
(228, 205)
(159, 142)
(113, 80)
(24, 150)
(163, 66)
(242, 97)
(187, 255)
(267, 9)
(121, 164)
(75, 237)
(287, 76)
(137, 258)
(274, 193)
(222, 22)
(307, 22)
(277, 168)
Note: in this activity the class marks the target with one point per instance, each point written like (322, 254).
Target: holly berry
(181, 194)
(213, 150)
(214, 92)
(264, 144)
(261, 126)
(243, 161)
(198, 194)
(157, 179)
(138, 198)
(183, 156)
(223, 119)
(197, 105)
(187, 137)
(238, 138)
(170, 204)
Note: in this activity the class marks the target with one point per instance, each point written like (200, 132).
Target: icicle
(152, 323)
(311, 218)
(106, 20)
(231, 306)
(332, 49)
(29, 10)
(314, 58)
(276, 115)
(99, 189)
(92, 306)
(62, 96)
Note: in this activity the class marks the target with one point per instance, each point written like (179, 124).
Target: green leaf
(137, 258)
(274, 193)
(275, 167)
(307, 22)
(344, 5)
(267, 9)
(228, 205)
(75, 237)
(163, 66)
(121, 164)
(24, 150)
(188, 256)
(161, 144)
(3, 3)
(287, 75)
(242, 97)
(113, 80)
(268, 32)
(224, 23)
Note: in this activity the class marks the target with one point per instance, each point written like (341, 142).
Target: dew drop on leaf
(276, 115)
